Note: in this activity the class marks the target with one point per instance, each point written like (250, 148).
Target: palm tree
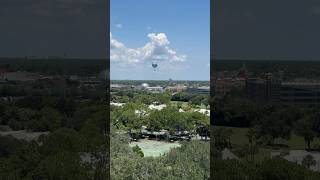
(252, 136)
(229, 133)
(305, 128)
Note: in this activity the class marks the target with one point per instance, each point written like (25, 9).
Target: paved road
(298, 155)
(227, 154)
(23, 134)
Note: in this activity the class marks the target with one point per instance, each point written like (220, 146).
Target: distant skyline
(175, 34)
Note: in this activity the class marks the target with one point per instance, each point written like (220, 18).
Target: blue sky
(175, 34)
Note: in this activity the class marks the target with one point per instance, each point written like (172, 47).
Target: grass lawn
(262, 154)
(239, 138)
(295, 142)
(183, 104)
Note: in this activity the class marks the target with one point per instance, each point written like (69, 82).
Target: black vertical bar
(107, 82)
(212, 67)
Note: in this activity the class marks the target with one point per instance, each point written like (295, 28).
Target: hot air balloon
(154, 65)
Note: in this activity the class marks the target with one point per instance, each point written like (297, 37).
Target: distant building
(222, 86)
(90, 83)
(142, 87)
(226, 81)
(300, 93)
(176, 88)
(205, 90)
(3, 70)
(192, 90)
(20, 76)
(115, 87)
(273, 90)
(157, 89)
(146, 87)
(265, 90)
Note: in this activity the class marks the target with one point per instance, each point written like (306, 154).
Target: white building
(157, 107)
(117, 104)
(203, 111)
(156, 89)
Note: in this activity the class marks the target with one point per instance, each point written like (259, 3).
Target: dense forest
(53, 128)
(57, 66)
(275, 169)
(163, 98)
(191, 161)
(74, 148)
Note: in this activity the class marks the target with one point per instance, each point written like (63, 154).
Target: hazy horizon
(157, 80)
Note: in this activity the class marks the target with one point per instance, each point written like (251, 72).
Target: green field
(183, 104)
(239, 139)
(295, 142)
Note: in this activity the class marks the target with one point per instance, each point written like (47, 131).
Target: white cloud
(119, 26)
(157, 49)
